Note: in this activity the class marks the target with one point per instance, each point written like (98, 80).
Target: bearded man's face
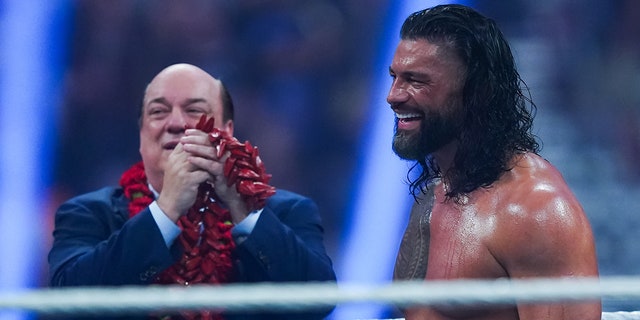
(426, 97)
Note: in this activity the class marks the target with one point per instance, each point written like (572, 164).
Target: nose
(177, 121)
(397, 92)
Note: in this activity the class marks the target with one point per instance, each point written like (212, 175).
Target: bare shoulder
(542, 227)
(537, 187)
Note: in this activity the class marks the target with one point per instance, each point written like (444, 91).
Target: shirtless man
(487, 205)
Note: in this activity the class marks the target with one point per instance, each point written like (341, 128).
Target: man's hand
(203, 156)
(180, 184)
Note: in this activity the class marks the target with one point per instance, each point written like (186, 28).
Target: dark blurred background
(298, 72)
(302, 74)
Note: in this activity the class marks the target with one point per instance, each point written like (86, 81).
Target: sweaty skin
(527, 224)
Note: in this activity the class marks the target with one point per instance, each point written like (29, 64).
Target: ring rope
(304, 296)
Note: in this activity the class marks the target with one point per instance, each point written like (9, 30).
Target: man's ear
(228, 127)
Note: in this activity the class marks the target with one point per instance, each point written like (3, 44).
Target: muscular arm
(549, 236)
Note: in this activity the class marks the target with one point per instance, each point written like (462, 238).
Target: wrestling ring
(302, 296)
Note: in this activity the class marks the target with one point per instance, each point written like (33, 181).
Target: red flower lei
(206, 228)
(207, 253)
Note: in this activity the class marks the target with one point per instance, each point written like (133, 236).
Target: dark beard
(435, 132)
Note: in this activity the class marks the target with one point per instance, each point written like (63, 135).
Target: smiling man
(151, 230)
(487, 205)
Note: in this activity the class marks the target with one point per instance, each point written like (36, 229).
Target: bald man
(105, 238)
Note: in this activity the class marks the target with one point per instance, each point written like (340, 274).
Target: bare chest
(460, 244)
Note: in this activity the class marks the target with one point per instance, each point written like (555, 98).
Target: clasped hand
(192, 162)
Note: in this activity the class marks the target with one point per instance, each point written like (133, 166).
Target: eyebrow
(409, 73)
(160, 100)
(195, 100)
(164, 101)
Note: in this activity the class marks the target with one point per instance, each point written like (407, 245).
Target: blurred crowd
(593, 69)
(301, 74)
(582, 63)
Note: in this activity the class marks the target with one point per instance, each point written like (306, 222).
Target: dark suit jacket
(96, 244)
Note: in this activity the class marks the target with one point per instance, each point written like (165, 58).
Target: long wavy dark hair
(498, 117)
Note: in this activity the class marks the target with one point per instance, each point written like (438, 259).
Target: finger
(213, 167)
(179, 155)
(203, 151)
(179, 149)
(200, 176)
(192, 132)
(179, 161)
(195, 139)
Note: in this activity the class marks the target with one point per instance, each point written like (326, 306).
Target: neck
(154, 181)
(444, 157)
(153, 190)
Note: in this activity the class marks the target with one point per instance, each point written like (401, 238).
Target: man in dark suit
(136, 234)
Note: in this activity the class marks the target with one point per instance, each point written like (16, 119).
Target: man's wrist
(168, 211)
(244, 228)
(168, 228)
(239, 211)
